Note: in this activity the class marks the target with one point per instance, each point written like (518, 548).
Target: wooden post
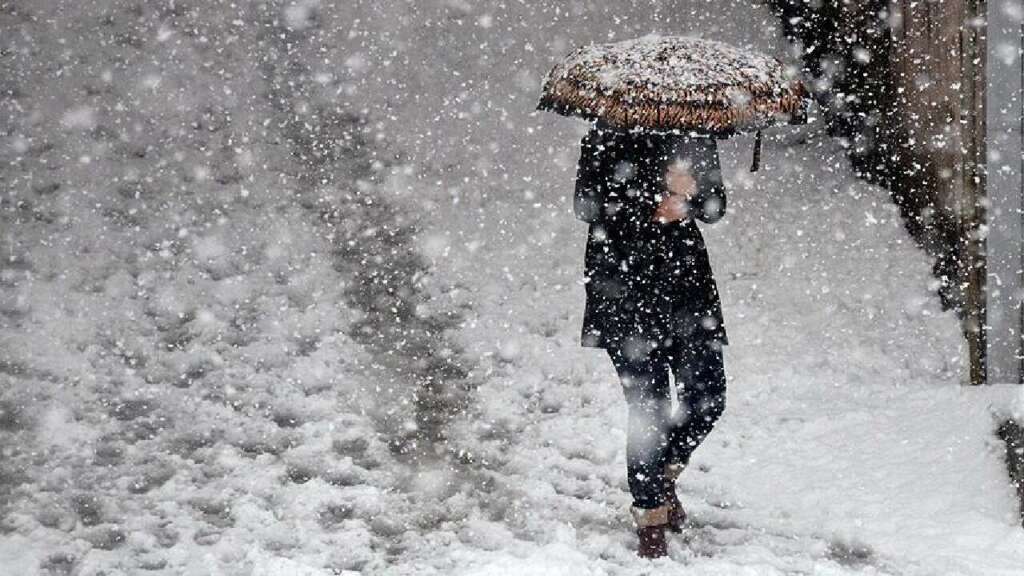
(972, 200)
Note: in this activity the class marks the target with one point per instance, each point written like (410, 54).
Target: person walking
(652, 302)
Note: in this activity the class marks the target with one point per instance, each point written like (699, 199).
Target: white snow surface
(184, 388)
(849, 445)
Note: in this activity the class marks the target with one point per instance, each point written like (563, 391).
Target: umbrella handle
(756, 162)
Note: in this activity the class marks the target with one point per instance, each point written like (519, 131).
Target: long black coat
(648, 283)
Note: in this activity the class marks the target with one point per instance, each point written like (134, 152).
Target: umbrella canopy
(675, 83)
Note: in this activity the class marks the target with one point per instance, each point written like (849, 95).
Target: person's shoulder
(602, 132)
(604, 141)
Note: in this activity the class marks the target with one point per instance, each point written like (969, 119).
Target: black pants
(656, 436)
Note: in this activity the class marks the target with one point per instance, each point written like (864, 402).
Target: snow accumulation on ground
(291, 288)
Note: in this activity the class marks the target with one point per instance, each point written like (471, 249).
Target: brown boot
(676, 514)
(650, 529)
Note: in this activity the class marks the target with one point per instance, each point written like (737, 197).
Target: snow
(185, 387)
(848, 444)
(678, 67)
(675, 83)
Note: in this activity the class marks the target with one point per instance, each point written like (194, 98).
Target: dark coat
(648, 283)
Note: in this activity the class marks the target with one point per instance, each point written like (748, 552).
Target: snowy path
(848, 445)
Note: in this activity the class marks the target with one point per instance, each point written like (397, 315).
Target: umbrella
(665, 83)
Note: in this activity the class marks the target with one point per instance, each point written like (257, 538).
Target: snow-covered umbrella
(667, 83)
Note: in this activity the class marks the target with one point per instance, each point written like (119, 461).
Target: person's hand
(673, 207)
(681, 187)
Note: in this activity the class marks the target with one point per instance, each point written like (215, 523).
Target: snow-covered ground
(848, 445)
(233, 315)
